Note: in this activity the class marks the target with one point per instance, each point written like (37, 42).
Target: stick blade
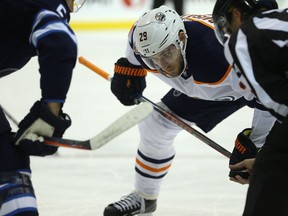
(123, 123)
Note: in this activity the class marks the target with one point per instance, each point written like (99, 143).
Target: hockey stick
(15, 122)
(126, 121)
(162, 111)
(123, 123)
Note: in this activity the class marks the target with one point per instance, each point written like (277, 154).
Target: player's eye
(167, 53)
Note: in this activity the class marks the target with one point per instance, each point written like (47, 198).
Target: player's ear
(236, 13)
(182, 36)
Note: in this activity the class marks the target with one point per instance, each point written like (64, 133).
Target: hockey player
(184, 53)
(257, 45)
(34, 28)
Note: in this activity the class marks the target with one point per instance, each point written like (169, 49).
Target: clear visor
(77, 4)
(166, 57)
(168, 62)
(222, 29)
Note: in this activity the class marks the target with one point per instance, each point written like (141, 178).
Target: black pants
(268, 190)
(11, 158)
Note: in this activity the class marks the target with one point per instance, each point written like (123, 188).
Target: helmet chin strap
(183, 46)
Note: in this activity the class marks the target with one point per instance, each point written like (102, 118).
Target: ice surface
(82, 183)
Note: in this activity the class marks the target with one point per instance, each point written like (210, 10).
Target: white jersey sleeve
(262, 123)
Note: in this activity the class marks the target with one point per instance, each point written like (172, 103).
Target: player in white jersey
(186, 55)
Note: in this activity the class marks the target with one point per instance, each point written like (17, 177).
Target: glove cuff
(129, 71)
(124, 67)
(61, 123)
(244, 148)
(41, 115)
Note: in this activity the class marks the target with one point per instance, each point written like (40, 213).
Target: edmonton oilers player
(34, 28)
(185, 54)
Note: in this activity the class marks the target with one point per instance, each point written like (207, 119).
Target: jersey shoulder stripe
(205, 19)
(205, 55)
(217, 81)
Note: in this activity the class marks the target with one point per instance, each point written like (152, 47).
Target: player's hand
(128, 82)
(40, 121)
(245, 165)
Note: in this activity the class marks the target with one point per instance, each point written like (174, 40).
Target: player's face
(170, 61)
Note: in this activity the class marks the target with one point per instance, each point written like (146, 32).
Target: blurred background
(119, 14)
(82, 183)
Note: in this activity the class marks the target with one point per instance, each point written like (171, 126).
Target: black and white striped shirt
(259, 53)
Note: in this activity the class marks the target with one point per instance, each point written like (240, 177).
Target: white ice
(82, 183)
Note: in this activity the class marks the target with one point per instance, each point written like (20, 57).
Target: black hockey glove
(244, 148)
(40, 121)
(128, 82)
